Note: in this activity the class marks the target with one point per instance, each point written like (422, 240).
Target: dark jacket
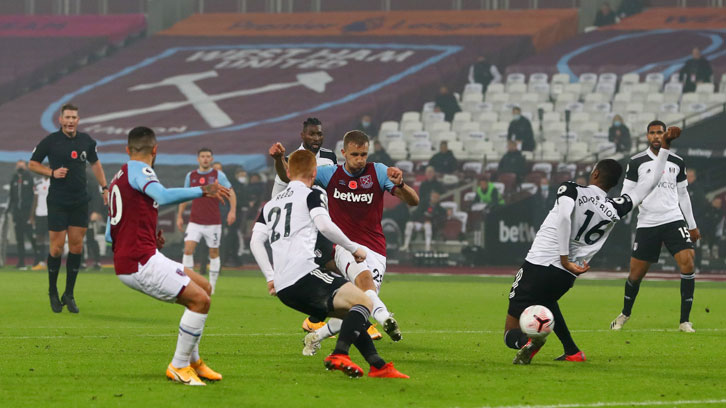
(434, 213)
(425, 189)
(693, 72)
(483, 73)
(622, 140)
(604, 19)
(448, 104)
(444, 162)
(381, 157)
(21, 194)
(521, 130)
(630, 7)
(513, 162)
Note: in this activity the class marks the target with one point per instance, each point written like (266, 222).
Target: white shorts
(211, 234)
(350, 269)
(160, 278)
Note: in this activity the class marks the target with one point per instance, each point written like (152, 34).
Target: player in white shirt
(573, 232)
(661, 221)
(39, 221)
(290, 222)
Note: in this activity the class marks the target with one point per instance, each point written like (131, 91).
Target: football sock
(427, 235)
(214, 265)
(380, 311)
(54, 264)
(188, 261)
(688, 285)
(353, 325)
(631, 291)
(562, 332)
(190, 331)
(407, 234)
(364, 344)
(331, 329)
(515, 339)
(195, 352)
(73, 263)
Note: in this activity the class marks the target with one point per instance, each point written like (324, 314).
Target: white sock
(214, 265)
(427, 235)
(188, 261)
(195, 352)
(407, 234)
(380, 311)
(330, 329)
(190, 331)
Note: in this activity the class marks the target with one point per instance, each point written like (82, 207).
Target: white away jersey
(323, 157)
(592, 219)
(287, 220)
(42, 184)
(661, 206)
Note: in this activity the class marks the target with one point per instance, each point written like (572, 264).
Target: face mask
(242, 180)
(617, 123)
(516, 117)
(365, 123)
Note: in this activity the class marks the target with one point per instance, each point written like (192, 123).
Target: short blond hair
(301, 163)
(355, 137)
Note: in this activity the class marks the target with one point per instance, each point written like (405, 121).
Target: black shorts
(60, 217)
(313, 294)
(648, 241)
(538, 285)
(41, 226)
(323, 251)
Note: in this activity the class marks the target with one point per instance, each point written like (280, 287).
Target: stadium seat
(604, 149)
(409, 128)
(599, 108)
(457, 148)
(410, 117)
(655, 81)
(560, 78)
(421, 135)
(575, 107)
(593, 98)
(487, 117)
(420, 150)
(473, 137)
(495, 88)
(462, 117)
(397, 150)
(551, 117)
(607, 78)
(470, 102)
(467, 128)
(717, 98)
(437, 138)
(428, 107)
(543, 167)
(450, 179)
(516, 77)
(390, 136)
(388, 125)
(705, 87)
(588, 80)
(693, 107)
(607, 89)
(456, 126)
(546, 106)
(672, 92)
(529, 188)
(405, 165)
(630, 78)
(499, 127)
(538, 77)
(473, 88)
(689, 98)
(497, 100)
(436, 127)
(569, 168)
(472, 168)
(432, 117)
(634, 107)
(542, 90)
(654, 99)
(671, 118)
(574, 88)
(564, 100)
(477, 150)
(483, 107)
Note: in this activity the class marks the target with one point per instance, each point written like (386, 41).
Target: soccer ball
(536, 321)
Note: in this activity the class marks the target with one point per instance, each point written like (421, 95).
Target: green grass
(114, 353)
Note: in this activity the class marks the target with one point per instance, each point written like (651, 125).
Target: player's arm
(638, 192)
(145, 180)
(319, 213)
(566, 196)
(277, 152)
(39, 154)
(391, 179)
(684, 201)
(260, 234)
(232, 214)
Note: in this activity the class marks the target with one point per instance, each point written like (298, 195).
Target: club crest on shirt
(353, 185)
(341, 182)
(83, 155)
(211, 179)
(366, 181)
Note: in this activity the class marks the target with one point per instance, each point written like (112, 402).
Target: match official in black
(67, 151)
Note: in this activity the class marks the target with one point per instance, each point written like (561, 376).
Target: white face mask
(365, 123)
(242, 180)
(516, 117)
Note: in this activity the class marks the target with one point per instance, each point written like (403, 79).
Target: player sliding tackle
(132, 217)
(569, 237)
(290, 222)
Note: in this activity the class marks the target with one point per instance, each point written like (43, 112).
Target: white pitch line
(617, 404)
(284, 334)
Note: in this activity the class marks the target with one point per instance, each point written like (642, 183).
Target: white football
(537, 321)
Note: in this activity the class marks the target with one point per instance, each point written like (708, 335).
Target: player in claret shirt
(355, 195)
(569, 237)
(205, 221)
(135, 195)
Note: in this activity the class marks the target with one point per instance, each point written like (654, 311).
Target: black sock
(515, 339)
(314, 319)
(364, 344)
(353, 325)
(562, 332)
(688, 285)
(631, 292)
(73, 263)
(54, 264)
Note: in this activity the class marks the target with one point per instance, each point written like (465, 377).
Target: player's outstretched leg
(353, 325)
(515, 339)
(572, 352)
(313, 339)
(379, 368)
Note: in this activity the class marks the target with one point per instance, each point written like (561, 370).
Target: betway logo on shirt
(353, 197)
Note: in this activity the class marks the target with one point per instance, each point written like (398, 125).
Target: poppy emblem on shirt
(352, 184)
(366, 181)
(201, 180)
(74, 154)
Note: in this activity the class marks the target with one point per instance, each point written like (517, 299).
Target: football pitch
(115, 352)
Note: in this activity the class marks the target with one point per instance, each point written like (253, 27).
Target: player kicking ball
(573, 232)
(290, 223)
(135, 196)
